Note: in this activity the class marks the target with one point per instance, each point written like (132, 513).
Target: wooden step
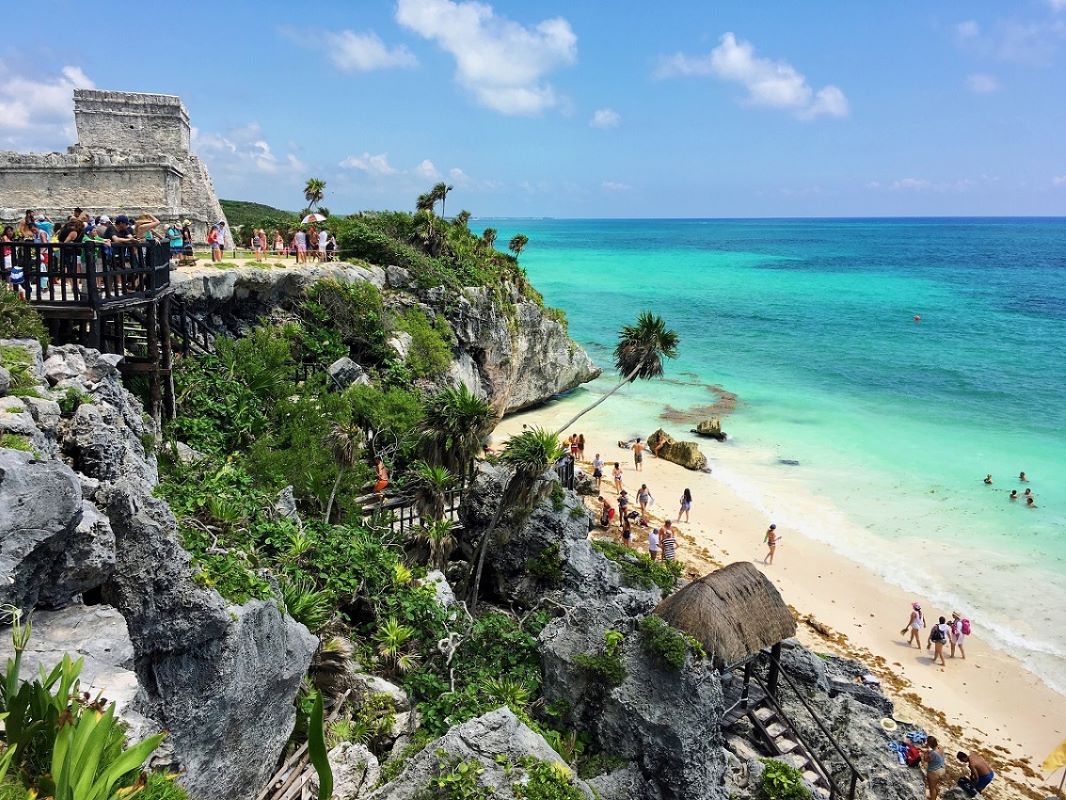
(794, 760)
(775, 729)
(764, 713)
(785, 745)
(812, 777)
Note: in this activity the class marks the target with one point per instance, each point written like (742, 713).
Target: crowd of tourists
(623, 516)
(114, 235)
(314, 243)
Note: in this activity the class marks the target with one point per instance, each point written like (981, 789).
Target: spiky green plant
(429, 485)
(316, 750)
(305, 603)
(454, 428)
(440, 540)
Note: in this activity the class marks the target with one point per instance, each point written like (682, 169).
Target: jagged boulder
(711, 428)
(525, 541)
(355, 771)
(40, 509)
(687, 454)
(663, 720)
(346, 372)
(213, 673)
(499, 743)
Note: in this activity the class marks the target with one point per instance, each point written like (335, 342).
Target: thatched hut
(734, 612)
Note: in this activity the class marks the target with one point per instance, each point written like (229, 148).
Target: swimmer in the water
(1029, 502)
(1013, 494)
(988, 479)
(1022, 478)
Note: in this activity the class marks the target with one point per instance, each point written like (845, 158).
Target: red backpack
(912, 756)
(966, 627)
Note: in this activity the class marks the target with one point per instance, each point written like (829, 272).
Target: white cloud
(1059, 181)
(502, 63)
(39, 113)
(615, 187)
(605, 118)
(428, 170)
(911, 184)
(364, 52)
(771, 84)
(969, 29)
(372, 165)
(1031, 43)
(459, 176)
(982, 84)
(242, 149)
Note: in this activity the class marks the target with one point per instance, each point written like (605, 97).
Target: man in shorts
(980, 773)
(638, 455)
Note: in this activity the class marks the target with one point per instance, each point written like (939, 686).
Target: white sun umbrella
(312, 218)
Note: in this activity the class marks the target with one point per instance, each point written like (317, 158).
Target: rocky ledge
(506, 348)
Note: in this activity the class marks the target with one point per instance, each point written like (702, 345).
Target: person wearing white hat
(914, 625)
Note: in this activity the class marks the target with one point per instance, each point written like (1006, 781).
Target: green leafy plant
(546, 566)
(12, 441)
(430, 351)
(162, 786)
(547, 780)
(16, 360)
(668, 643)
(71, 399)
(316, 750)
(781, 782)
(605, 665)
(456, 780)
(306, 604)
(19, 320)
(638, 570)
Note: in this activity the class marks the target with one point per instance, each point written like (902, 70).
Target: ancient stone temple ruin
(132, 156)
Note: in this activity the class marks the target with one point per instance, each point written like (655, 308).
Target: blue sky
(624, 109)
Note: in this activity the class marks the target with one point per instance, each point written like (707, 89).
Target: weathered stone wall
(146, 123)
(132, 157)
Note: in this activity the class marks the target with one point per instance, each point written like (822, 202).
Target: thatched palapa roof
(734, 612)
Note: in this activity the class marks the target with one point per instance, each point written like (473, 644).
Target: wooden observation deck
(112, 297)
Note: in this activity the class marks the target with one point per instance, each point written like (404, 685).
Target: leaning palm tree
(346, 439)
(488, 238)
(430, 484)
(454, 428)
(518, 244)
(638, 354)
(462, 219)
(529, 454)
(314, 192)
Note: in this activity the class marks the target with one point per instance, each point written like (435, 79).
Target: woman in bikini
(914, 625)
(617, 477)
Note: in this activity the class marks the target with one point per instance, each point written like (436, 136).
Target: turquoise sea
(894, 423)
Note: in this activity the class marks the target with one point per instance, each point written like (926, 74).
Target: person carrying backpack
(938, 636)
(960, 629)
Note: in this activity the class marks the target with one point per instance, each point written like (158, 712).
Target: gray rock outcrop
(174, 655)
(344, 372)
(687, 454)
(663, 721)
(355, 771)
(497, 741)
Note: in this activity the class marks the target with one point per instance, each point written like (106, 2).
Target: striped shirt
(669, 545)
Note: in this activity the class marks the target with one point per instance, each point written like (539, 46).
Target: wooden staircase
(781, 740)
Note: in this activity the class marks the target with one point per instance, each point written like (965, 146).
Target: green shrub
(456, 780)
(638, 570)
(162, 786)
(72, 399)
(16, 361)
(781, 782)
(546, 566)
(546, 780)
(19, 320)
(430, 353)
(344, 319)
(665, 641)
(606, 665)
(12, 441)
(558, 497)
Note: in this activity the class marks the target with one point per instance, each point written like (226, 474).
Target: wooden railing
(400, 514)
(88, 274)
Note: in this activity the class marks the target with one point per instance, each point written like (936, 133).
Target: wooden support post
(775, 669)
(170, 407)
(153, 360)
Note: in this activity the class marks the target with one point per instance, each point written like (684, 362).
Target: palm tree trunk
(483, 547)
(627, 379)
(333, 494)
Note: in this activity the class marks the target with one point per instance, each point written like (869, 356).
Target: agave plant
(507, 692)
(430, 484)
(392, 640)
(305, 603)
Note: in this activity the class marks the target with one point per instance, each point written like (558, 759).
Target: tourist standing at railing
(145, 225)
(7, 267)
(23, 230)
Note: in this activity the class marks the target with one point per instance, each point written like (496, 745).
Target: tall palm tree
(346, 439)
(314, 192)
(518, 244)
(454, 428)
(488, 237)
(529, 454)
(462, 218)
(440, 192)
(425, 204)
(638, 354)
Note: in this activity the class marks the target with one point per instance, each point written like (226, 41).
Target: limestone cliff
(507, 348)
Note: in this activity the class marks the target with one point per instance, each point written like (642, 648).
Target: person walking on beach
(638, 456)
(653, 544)
(623, 504)
(957, 634)
(686, 505)
(934, 766)
(581, 446)
(627, 530)
(914, 625)
(938, 634)
(770, 540)
(644, 498)
(597, 470)
(980, 773)
(667, 542)
(617, 477)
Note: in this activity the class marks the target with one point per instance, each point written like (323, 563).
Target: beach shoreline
(990, 702)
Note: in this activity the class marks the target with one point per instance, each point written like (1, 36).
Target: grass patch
(668, 643)
(638, 570)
